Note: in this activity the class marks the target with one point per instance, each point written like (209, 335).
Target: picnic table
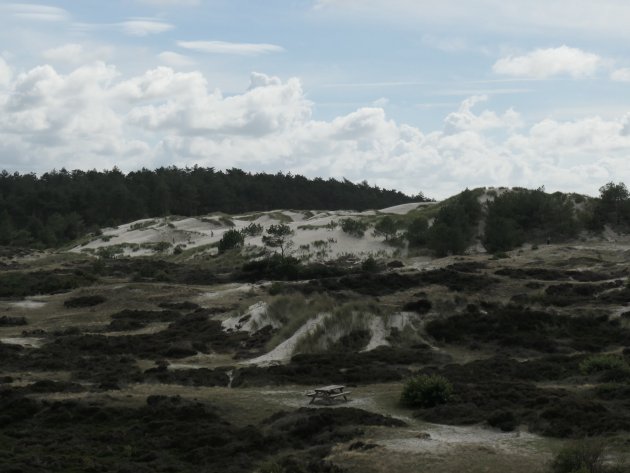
(328, 394)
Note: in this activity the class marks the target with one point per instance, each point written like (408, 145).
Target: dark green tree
(416, 233)
(386, 227)
(230, 240)
(353, 227)
(279, 236)
(615, 202)
(455, 225)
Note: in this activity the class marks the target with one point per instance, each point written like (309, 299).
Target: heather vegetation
(199, 360)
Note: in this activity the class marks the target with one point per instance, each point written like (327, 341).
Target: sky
(414, 95)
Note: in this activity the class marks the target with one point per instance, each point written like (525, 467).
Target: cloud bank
(545, 63)
(94, 117)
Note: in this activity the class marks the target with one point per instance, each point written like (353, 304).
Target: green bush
(598, 363)
(426, 391)
(455, 225)
(230, 240)
(387, 227)
(528, 215)
(417, 232)
(586, 456)
(369, 265)
(253, 229)
(354, 227)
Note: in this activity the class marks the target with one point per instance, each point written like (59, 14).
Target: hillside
(156, 346)
(59, 206)
(475, 221)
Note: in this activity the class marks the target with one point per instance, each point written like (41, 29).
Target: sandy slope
(315, 234)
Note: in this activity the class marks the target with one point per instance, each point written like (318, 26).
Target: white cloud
(35, 12)
(465, 120)
(222, 47)
(621, 75)
(171, 58)
(145, 27)
(545, 63)
(94, 117)
(73, 53)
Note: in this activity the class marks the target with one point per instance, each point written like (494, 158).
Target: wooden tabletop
(332, 387)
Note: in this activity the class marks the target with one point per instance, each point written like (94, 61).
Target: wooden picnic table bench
(328, 393)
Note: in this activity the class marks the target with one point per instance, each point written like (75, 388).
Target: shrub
(271, 467)
(162, 246)
(84, 301)
(355, 228)
(417, 232)
(386, 227)
(455, 225)
(426, 391)
(598, 363)
(253, 229)
(369, 265)
(586, 456)
(279, 236)
(230, 240)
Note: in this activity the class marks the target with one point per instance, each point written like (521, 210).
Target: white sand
(27, 304)
(284, 351)
(254, 319)
(443, 438)
(379, 334)
(27, 342)
(200, 231)
(226, 289)
(401, 209)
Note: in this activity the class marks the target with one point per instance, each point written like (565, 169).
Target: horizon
(405, 95)
(419, 193)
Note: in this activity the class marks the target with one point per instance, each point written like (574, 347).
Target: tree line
(519, 216)
(60, 206)
(509, 220)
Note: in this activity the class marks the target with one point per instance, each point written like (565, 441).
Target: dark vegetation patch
(84, 301)
(167, 434)
(379, 284)
(319, 425)
(612, 392)
(511, 327)
(468, 266)
(546, 274)
(420, 306)
(22, 283)
(616, 296)
(552, 412)
(111, 359)
(506, 393)
(379, 365)
(568, 294)
(352, 342)
(277, 268)
(8, 321)
(49, 386)
(497, 368)
(528, 215)
(188, 377)
(134, 319)
(185, 305)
